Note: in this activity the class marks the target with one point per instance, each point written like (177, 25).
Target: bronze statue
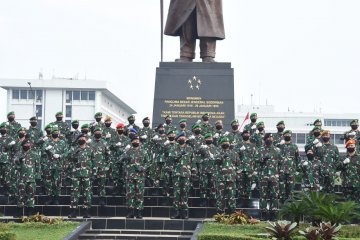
(196, 19)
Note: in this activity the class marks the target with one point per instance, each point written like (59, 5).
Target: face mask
(131, 135)
(253, 120)
(280, 129)
(246, 138)
(21, 135)
(218, 127)
(326, 139)
(48, 132)
(98, 135)
(107, 124)
(260, 129)
(59, 119)
(197, 132)
(287, 138)
(131, 122)
(3, 132)
(182, 125)
(268, 142)
(75, 126)
(205, 119)
(316, 134)
(208, 142)
(235, 127)
(181, 142)
(11, 119)
(310, 156)
(161, 131)
(85, 131)
(171, 139)
(146, 124)
(33, 124)
(135, 144)
(120, 132)
(168, 122)
(354, 127)
(98, 119)
(26, 148)
(351, 150)
(55, 135)
(225, 146)
(81, 142)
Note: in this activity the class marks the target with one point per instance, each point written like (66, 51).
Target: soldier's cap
(98, 114)
(33, 118)
(218, 122)
(21, 129)
(58, 113)
(131, 117)
(11, 113)
(354, 122)
(120, 125)
(287, 132)
(3, 125)
(134, 138)
(171, 132)
(317, 121)
(160, 126)
(349, 142)
(167, 116)
(208, 135)
(146, 119)
(107, 118)
(259, 124)
(48, 126)
(325, 132)
(195, 126)
(54, 129)
(182, 120)
(26, 140)
(316, 128)
(253, 115)
(97, 129)
(267, 135)
(133, 130)
(244, 132)
(181, 134)
(234, 122)
(86, 125)
(205, 115)
(309, 150)
(279, 123)
(80, 136)
(224, 139)
(75, 121)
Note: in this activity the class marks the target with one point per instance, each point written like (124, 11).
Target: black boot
(176, 215)
(73, 213)
(139, 214)
(56, 200)
(18, 212)
(184, 214)
(130, 213)
(102, 201)
(86, 213)
(30, 211)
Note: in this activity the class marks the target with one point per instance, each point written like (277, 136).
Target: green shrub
(7, 236)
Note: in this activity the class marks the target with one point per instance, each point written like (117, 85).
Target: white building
(77, 99)
(300, 123)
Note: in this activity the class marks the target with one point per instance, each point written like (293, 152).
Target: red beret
(351, 141)
(120, 125)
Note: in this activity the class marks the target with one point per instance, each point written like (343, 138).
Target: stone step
(134, 236)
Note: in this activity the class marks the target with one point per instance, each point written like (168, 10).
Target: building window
(76, 95)
(68, 122)
(68, 96)
(301, 138)
(39, 95)
(23, 94)
(68, 111)
(39, 110)
(337, 122)
(92, 95)
(39, 122)
(339, 139)
(15, 94)
(294, 138)
(84, 95)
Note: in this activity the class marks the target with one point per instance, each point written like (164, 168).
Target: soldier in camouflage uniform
(63, 127)
(205, 125)
(182, 127)
(55, 150)
(354, 133)
(168, 124)
(219, 132)
(136, 161)
(5, 160)
(182, 157)
(81, 163)
(25, 161)
(249, 156)
(270, 159)
(251, 127)
(227, 163)
(288, 166)
(350, 167)
(305, 168)
(279, 136)
(131, 120)
(101, 154)
(108, 132)
(169, 146)
(98, 123)
(146, 133)
(329, 161)
(258, 136)
(74, 133)
(311, 137)
(13, 125)
(195, 141)
(85, 129)
(235, 135)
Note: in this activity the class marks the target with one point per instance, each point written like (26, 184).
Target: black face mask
(205, 119)
(81, 142)
(171, 139)
(287, 138)
(98, 119)
(197, 132)
(326, 139)
(354, 127)
(33, 124)
(84, 131)
(146, 124)
(131, 122)
(135, 144)
(268, 142)
(168, 122)
(253, 120)
(261, 129)
(310, 156)
(107, 124)
(3, 132)
(181, 142)
(246, 138)
(161, 131)
(75, 126)
(182, 125)
(11, 119)
(219, 127)
(59, 119)
(55, 135)
(120, 132)
(26, 148)
(316, 134)
(21, 135)
(280, 129)
(351, 150)
(208, 142)
(225, 146)
(48, 132)
(97, 135)
(235, 127)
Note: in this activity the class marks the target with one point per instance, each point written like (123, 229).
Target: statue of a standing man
(196, 19)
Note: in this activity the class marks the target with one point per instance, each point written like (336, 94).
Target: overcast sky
(300, 55)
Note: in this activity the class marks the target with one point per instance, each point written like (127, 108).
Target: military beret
(21, 129)
(98, 114)
(181, 134)
(48, 126)
(279, 123)
(3, 125)
(75, 121)
(160, 126)
(183, 120)
(54, 129)
(259, 123)
(131, 117)
(253, 115)
(146, 119)
(81, 135)
(33, 118)
(267, 135)
(316, 128)
(86, 125)
(133, 130)
(224, 139)
(287, 132)
(120, 125)
(317, 121)
(205, 115)
(167, 116)
(245, 131)
(351, 141)
(234, 122)
(133, 138)
(171, 132)
(11, 113)
(354, 122)
(107, 118)
(26, 140)
(208, 135)
(97, 129)
(58, 113)
(195, 126)
(218, 122)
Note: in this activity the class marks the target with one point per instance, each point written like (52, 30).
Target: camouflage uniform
(64, 129)
(195, 141)
(117, 166)
(351, 177)
(36, 137)
(13, 128)
(314, 144)
(159, 158)
(329, 160)
(5, 160)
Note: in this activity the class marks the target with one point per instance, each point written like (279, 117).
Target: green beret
(205, 115)
(279, 123)
(97, 129)
(235, 121)
(208, 135)
(33, 118)
(75, 121)
(131, 117)
(54, 129)
(224, 139)
(259, 123)
(316, 121)
(354, 122)
(86, 125)
(253, 115)
(11, 113)
(59, 113)
(287, 132)
(183, 120)
(167, 116)
(48, 126)
(98, 114)
(21, 129)
(316, 128)
(171, 132)
(196, 126)
(3, 125)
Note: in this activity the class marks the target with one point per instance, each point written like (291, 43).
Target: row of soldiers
(227, 164)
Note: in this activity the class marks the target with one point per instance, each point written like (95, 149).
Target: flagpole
(161, 29)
